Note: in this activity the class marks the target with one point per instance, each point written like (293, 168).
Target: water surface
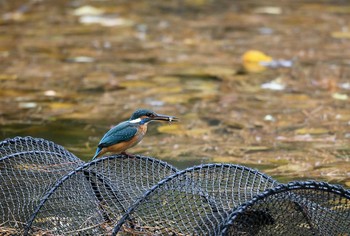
(72, 69)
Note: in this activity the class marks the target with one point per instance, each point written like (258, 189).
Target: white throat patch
(135, 121)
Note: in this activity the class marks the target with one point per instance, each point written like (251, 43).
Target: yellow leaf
(61, 105)
(252, 60)
(340, 35)
(269, 10)
(8, 77)
(311, 131)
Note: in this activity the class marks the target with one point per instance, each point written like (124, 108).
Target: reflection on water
(72, 69)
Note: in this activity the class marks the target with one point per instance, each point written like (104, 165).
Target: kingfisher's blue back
(122, 132)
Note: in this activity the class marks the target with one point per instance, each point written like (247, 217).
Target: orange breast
(142, 129)
(123, 146)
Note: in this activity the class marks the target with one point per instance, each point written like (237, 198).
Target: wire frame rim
(30, 138)
(119, 224)
(294, 185)
(80, 168)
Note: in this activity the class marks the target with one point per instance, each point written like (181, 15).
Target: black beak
(165, 118)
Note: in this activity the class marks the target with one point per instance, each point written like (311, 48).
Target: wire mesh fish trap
(46, 190)
(195, 201)
(298, 208)
(96, 194)
(28, 166)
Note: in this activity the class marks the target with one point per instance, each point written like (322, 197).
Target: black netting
(28, 167)
(97, 194)
(197, 200)
(46, 190)
(299, 208)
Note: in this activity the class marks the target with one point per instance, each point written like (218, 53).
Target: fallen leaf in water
(270, 118)
(81, 59)
(252, 60)
(61, 105)
(276, 84)
(8, 77)
(255, 56)
(345, 85)
(277, 63)
(27, 105)
(314, 131)
(272, 10)
(341, 35)
(105, 20)
(50, 93)
(87, 10)
(340, 96)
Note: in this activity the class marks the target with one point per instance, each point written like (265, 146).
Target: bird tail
(98, 152)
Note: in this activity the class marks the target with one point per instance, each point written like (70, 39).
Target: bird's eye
(150, 114)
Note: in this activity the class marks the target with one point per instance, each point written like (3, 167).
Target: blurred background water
(72, 69)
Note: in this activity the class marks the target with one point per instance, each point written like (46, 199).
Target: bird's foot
(127, 154)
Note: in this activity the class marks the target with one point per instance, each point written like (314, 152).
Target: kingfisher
(129, 133)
